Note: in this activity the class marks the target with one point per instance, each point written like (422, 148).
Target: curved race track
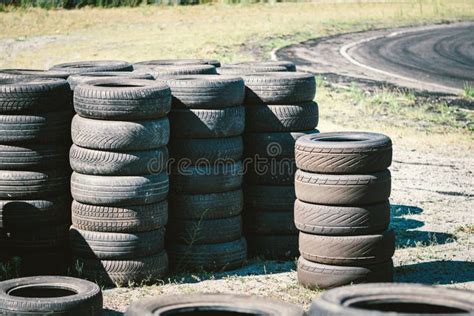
(436, 58)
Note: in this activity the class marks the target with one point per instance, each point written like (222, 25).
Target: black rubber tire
(50, 127)
(32, 73)
(135, 218)
(323, 276)
(29, 214)
(271, 172)
(281, 118)
(269, 223)
(207, 179)
(120, 135)
(269, 198)
(77, 79)
(206, 91)
(181, 70)
(29, 157)
(289, 66)
(212, 304)
(279, 88)
(229, 70)
(342, 220)
(122, 99)
(207, 123)
(273, 247)
(344, 153)
(394, 299)
(100, 162)
(136, 271)
(207, 231)
(206, 206)
(40, 239)
(93, 66)
(208, 257)
(273, 145)
(329, 189)
(186, 152)
(115, 246)
(34, 95)
(82, 298)
(119, 190)
(30, 185)
(164, 62)
(348, 250)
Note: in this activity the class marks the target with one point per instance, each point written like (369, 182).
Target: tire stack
(279, 109)
(178, 67)
(206, 200)
(120, 183)
(342, 209)
(34, 175)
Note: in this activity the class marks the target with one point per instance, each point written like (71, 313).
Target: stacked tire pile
(342, 209)
(34, 174)
(206, 200)
(120, 183)
(279, 109)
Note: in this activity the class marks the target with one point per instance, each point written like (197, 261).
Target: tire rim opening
(408, 307)
(117, 85)
(210, 311)
(340, 139)
(41, 291)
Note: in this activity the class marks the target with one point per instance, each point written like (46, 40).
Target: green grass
(468, 91)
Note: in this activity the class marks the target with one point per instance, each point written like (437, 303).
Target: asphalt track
(437, 58)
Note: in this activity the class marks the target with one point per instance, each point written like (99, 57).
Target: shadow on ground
(407, 231)
(436, 272)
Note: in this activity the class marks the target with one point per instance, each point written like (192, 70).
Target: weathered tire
(212, 304)
(32, 185)
(344, 152)
(279, 88)
(207, 123)
(280, 247)
(208, 231)
(122, 99)
(54, 295)
(40, 239)
(181, 70)
(348, 250)
(289, 66)
(186, 152)
(136, 271)
(120, 135)
(78, 79)
(100, 162)
(270, 198)
(135, 218)
(281, 118)
(36, 128)
(29, 214)
(93, 66)
(240, 71)
(273, 145)
(209, 257)
(207, 178)
(29, 157)
(323, 276)
(206, 206)
(164, 62)
(392, 299)
(32, 73)
(119, 190)
(355, 189)
(341, 220)
(34, 95)
(115, 246)
(271, 172)
(269, 223)
(206, 91)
